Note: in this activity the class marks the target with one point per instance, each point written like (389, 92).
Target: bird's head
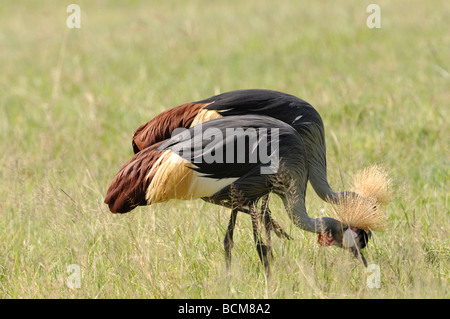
(357, 213)
(334, 233)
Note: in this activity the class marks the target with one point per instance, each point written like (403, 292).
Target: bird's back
(160, 174)
(282, 106)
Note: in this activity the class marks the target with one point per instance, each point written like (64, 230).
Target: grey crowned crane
(284, 107)
(181, 168)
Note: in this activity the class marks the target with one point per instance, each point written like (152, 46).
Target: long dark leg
(260, 246)
(267, 224)
(270, 223)
(275, 226)
(228, 241)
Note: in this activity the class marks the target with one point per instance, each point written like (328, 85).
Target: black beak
(362, 242)
(359, 255)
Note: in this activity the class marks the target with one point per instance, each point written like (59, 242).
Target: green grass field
(70, 100)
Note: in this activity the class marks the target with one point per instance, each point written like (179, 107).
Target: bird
(298, 113)
(177, 168)
(301, 115)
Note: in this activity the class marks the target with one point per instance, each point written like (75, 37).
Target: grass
(71, 98)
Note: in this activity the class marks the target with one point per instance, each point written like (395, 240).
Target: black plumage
(301, 157)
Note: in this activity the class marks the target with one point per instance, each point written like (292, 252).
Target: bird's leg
(275, 226)
(270, 223)
(228, 241)
(267, 223)
(260, 246)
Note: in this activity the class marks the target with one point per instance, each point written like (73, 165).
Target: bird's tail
(162, 126)
(129, 186)
(153, 176)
